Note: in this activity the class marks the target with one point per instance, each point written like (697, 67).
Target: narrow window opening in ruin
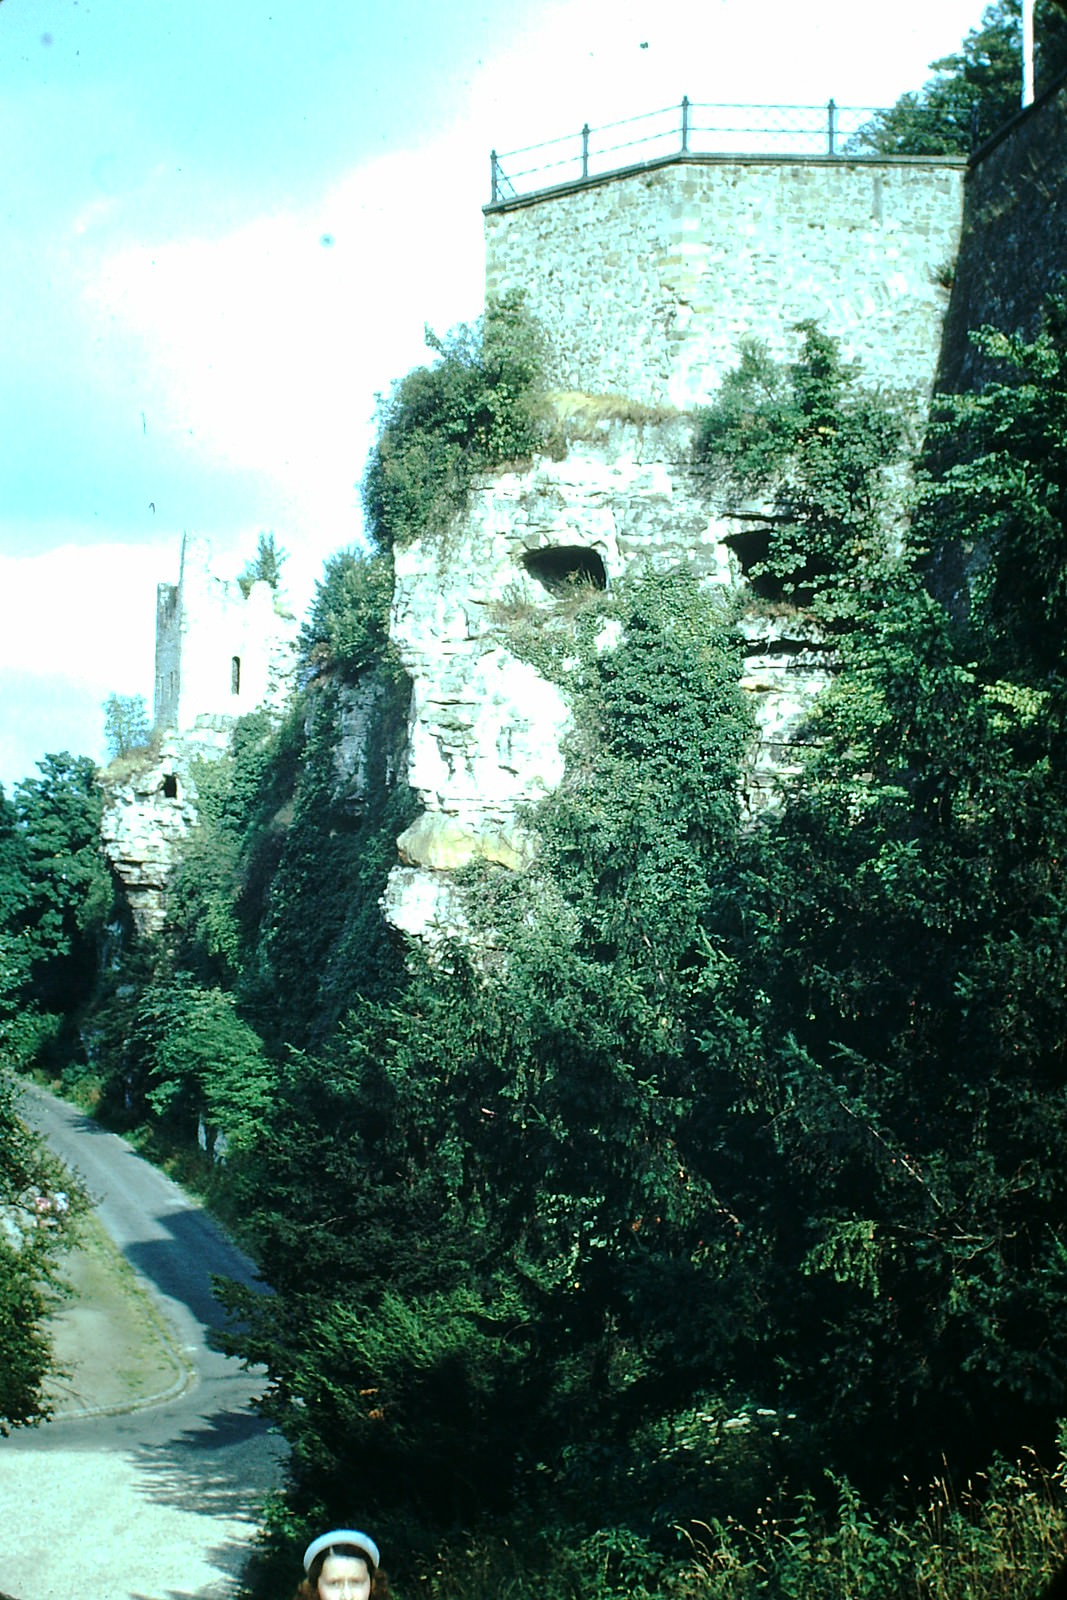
(235, 675)
(170, 786)
(563, 569)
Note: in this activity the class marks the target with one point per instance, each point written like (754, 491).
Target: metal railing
(691, 129)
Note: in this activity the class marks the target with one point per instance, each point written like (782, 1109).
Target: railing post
(685, 124)
(831, 111)
(585, 151)
(492, 177)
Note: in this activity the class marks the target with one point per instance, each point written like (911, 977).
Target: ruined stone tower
(219, 654)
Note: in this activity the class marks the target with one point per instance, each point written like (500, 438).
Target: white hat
(342, 1536)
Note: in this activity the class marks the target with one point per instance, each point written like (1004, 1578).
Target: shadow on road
(182, 1260)
(208, 1470)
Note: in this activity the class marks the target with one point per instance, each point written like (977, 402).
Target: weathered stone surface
(147, 816)
(219, 652)
(1014, 246)
(786, 667)
(219, 655)
(425, 905)
(708, 250)
(444, 844)
(486, 729)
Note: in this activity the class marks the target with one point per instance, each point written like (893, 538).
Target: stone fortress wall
(1013, 250)
(646, 280)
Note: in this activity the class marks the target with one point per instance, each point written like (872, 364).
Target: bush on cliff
(810, 461)
(478, 406)
(346, 630)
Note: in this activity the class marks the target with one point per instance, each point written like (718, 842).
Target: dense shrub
(810, 462)
(478, 406)
(347, 628)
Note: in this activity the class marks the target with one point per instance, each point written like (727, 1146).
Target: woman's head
(342, 1565)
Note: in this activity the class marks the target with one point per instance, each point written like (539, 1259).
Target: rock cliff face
(486, 727)
(147, 815)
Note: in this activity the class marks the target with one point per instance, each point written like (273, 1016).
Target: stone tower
(219, 654)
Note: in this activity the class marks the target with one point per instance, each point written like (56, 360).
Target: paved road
(157, 1503)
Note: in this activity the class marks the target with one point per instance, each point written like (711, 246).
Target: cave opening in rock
(752, 547)
(170, 786)
(566, 568)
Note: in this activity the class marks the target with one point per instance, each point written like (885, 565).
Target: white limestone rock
(146, 818)
(486, 729)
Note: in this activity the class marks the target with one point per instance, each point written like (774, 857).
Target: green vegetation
(696, 1227)
(55, 900)
(976, 90)
(347, 628)
(126, 724)
(999, 498)
(32, 1242)
(480, 405)
(821, 457)
(266, 566)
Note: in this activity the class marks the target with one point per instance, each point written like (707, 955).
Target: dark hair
(379, 1583)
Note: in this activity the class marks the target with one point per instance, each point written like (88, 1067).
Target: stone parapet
(647, 281)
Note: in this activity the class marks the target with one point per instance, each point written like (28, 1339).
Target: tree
(199, 1064)
(56, 895)
(996, 492)
(347, 628)
(265, 568)
(887, 1021)
(34, 1235)
(126, 725)
(976, 90)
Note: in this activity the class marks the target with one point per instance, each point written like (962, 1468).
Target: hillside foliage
(697, 1226)
(56, 902)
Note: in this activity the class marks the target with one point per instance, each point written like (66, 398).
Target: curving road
(161, 1502)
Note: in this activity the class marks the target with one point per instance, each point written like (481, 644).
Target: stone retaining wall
(1014, 246)
(647, 280)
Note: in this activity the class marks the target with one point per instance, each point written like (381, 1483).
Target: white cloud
(77, 623)
(267, 343)
(87, 611)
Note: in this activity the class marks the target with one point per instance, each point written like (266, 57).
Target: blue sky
(224, 225)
